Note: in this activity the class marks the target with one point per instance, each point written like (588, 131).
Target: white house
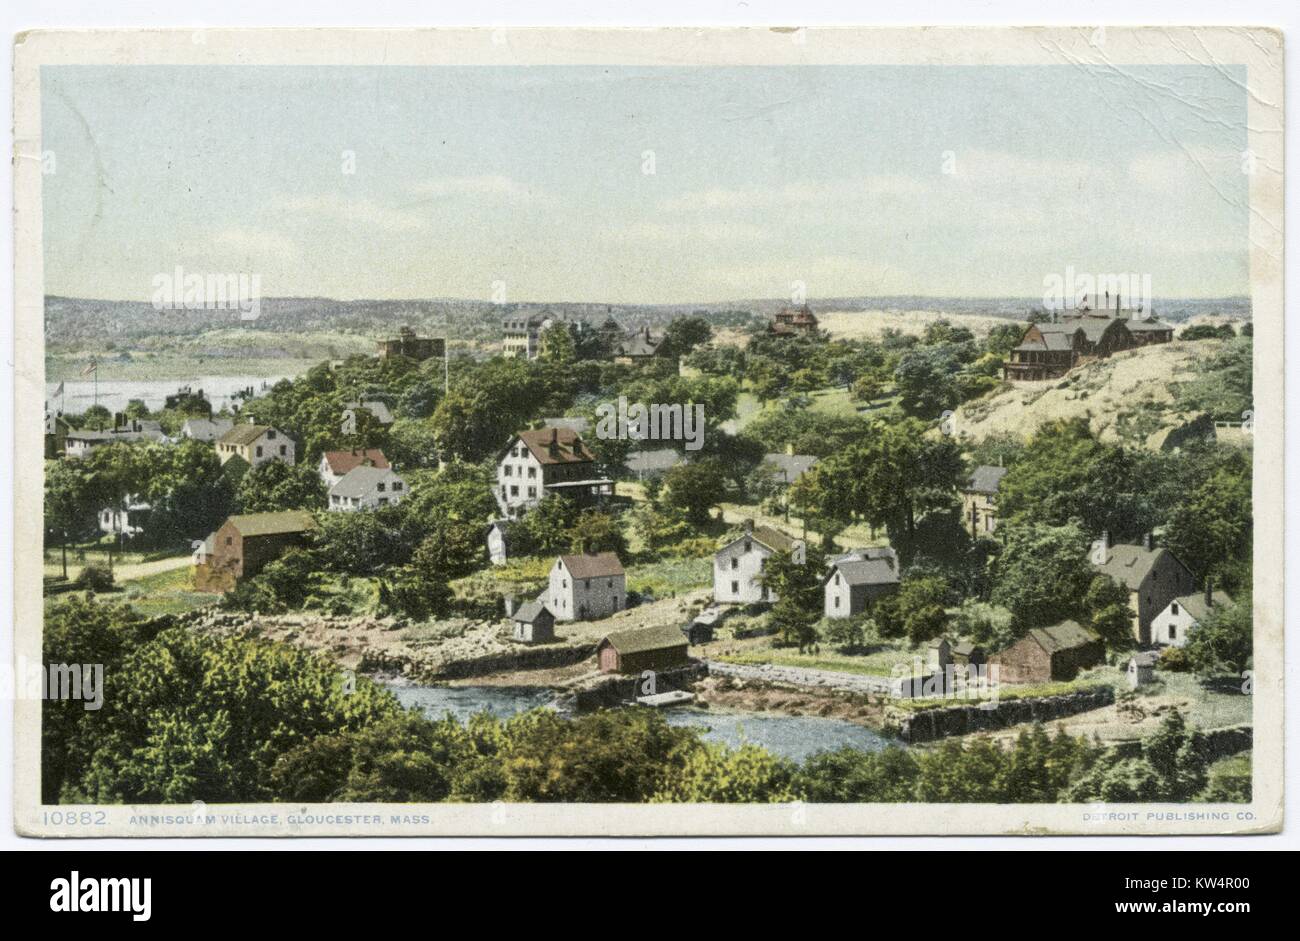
(738, 565)
(335, 464)
(128, 519)
(547, 461)
(858, 577)
(1171, 626)
(586, 587)
(366, 488)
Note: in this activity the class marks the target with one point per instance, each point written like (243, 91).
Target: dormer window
(1173, 607)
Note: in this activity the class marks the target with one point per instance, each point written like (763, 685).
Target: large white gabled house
(738, 566)
(1171, 626)
(547, 461)
(586, 587)
(855, 579)
(334, 465)
(367, 488)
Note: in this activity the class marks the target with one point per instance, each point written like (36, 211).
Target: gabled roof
(639, 639)
(207, 428)
(1145, 658)
(529, 612)
(244, 434)
(273, 524)
(879, 571)
(1064, 636)
(1129, 565)
(767, 536)
(361, 481)
(599, 565)
(1195, 604)
(340, 462)
(985, 479)
(966, 648)
(556, 446)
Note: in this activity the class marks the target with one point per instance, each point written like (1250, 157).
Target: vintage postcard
(649, 432)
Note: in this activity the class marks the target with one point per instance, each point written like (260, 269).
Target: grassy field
(169, 592)
(877, 660)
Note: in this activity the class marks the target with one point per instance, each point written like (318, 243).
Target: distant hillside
(73, 324)
(1129, 396)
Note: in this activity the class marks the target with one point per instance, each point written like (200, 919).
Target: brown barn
(1049, 653)
(244, 544)
(646, 648)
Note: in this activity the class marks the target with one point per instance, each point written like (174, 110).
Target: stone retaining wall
(931, 724)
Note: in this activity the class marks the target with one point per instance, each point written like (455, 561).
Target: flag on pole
(90, 367)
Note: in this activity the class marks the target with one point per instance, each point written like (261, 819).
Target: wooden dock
(674, 697)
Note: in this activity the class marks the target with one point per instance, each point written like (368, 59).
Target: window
(735, 563)
(837, 601)
(283, 450)
(507, 470)
(397, 486)
(259, 450)
(532, 491)
(747, 545)
(1173, 632)
(383, 501)
(837, 581)
(735, 588)
(230, 540)
(380, 487)
(514, 491)
(532, 472)
(1173, 607)
(270, 436)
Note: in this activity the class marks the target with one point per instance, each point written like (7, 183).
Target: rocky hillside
(1129, 396)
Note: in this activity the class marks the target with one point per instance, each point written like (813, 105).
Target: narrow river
(794, 737)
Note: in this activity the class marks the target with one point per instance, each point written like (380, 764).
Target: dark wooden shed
(647, 648)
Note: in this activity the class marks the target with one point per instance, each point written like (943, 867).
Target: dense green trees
(1042, 574)
(1221, 645)
(189, 716)
(275, 486)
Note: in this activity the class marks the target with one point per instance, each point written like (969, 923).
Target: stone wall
(612, 691)
(931, 724)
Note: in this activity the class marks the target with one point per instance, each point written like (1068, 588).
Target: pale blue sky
(533, 176)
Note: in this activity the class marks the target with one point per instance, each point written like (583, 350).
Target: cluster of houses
(521, 337)
(1050, 349)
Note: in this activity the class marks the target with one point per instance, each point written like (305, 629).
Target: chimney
(748, 524)
(1105, 539)
(1148, 542)
(789, 449)
(1209, 592)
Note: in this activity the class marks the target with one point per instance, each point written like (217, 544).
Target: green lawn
(164, 593)
(879, 660)
(672, 576)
